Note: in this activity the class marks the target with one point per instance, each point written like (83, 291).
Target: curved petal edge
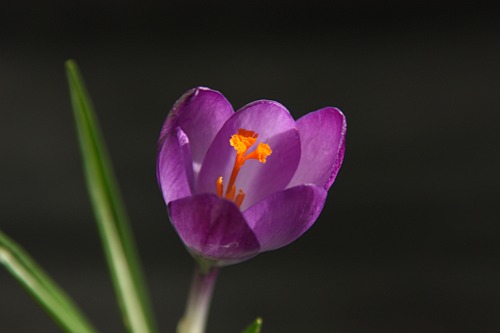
(200, 113)
(213, 228)
(284, 216)
(322, 136)
(174, 169)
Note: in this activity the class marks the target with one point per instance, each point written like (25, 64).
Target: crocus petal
(174, 166)
(322, 136)
(276, 127)
(213, 228)
(284, 216)
(200, 113)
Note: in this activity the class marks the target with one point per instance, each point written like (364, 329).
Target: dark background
(409, 240)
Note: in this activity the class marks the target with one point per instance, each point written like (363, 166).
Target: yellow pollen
(241, 142)
(261, 153)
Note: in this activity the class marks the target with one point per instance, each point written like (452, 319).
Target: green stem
(198, 304)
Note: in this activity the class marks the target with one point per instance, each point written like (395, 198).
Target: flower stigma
(241, 142)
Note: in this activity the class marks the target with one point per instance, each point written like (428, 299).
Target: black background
(409, 238)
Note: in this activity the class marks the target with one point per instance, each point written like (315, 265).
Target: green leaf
(109, 211)
(41, 287)
(254, 327)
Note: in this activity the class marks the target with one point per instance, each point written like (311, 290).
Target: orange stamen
(241, 142)
(219, 186)
(239, 198)
(230, 192)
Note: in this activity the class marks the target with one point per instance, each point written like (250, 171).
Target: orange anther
(241, 142)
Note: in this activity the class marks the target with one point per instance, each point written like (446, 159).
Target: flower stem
(198, 303)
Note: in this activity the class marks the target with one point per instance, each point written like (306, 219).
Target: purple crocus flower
(240, 183)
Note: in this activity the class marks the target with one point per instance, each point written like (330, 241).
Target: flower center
(241, 142)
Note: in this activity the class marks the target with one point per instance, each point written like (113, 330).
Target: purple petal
(213, 228)
(276, 127)
(322, 136)
(174, 166)
(200, 113)
(284, 216)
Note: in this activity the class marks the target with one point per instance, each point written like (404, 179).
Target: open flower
(240, 183)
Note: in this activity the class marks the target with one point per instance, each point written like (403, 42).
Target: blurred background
(409, 240)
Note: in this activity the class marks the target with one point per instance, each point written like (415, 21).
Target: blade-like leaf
(41, 287)
(109, 211)
(254, 327)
